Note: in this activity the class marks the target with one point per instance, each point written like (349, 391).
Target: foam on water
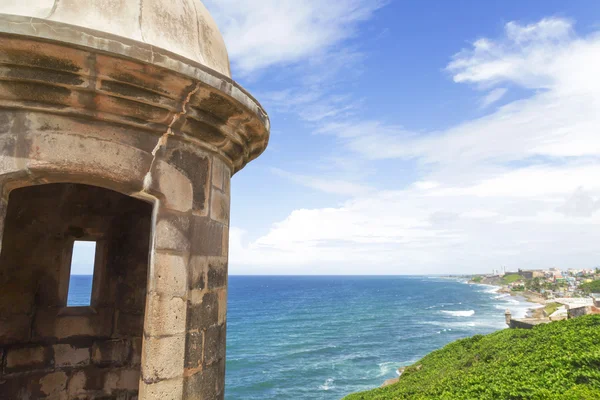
(320, 338)
(328, 385)
(386, 368)
(468, 313)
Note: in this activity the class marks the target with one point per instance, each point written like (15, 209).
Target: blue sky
(417, 137)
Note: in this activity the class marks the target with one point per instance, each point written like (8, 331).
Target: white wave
(493, 289)
(468, 313)
(328, 384)
(386, 368)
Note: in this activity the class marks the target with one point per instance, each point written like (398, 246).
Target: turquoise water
(324, 337)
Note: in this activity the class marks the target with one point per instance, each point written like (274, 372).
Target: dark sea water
(80, 290)
(324, 337)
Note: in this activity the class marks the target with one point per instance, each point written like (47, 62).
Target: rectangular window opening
(81, 276)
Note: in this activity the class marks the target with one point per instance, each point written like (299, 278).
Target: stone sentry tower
(119, 124)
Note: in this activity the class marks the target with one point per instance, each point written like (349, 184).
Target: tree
(591, 287)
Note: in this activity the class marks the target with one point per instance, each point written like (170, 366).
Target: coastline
(533, 302)
(526, 296)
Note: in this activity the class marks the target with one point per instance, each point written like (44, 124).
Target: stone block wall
(53, 351)
(177, 291)
(190, 263)
(583, 310)
(83, 108)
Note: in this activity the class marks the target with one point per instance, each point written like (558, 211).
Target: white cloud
(493, 96)
(426, 185)
(580, 204)
(264, 33)
(526, 55)
(327, 185)
(517, 187)
(560, 119)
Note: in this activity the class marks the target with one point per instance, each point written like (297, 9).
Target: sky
(417, 137)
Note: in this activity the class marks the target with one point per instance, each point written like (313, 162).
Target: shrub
(560, 360)
(591, 287)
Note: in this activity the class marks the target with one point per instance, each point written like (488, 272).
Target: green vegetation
(477, 279)
(591, 287)
(535, 284)
(507, 279)
(560, 360)
(551, 307)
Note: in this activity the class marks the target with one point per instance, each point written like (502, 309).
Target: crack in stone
(162, 140)
(31, 24)
(140, 20)
(53, 9)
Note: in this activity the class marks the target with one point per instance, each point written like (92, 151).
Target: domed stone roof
(183, 27)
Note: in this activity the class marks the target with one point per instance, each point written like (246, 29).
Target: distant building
(532, 273)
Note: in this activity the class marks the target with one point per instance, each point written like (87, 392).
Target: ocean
(321, 338)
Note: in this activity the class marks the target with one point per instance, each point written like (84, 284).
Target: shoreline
(534, 309)
(525, 296)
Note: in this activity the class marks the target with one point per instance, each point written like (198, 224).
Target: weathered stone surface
(217, 274)
(207, 237)
(205, 314)
(49, 325)
(197, 272)
(111, 352)
(227, 182)
(194, 349)
(219, 170)
(95, 378)
(122, 379)
(69, 339)
(233, 105)
(128, 324)
(165, 178)
(163, 358)
(208, 384)
(214, 344)
(53, 152)
(129, 379)
(196, 167)
(170, 275)
(30, 357)
(66, 355)
(15, 328)
(172, 231)
(165, 315)
(222, 298)
(225, 242)
(136, 351)
(219, 207)
(91, 104)
(171, 389)
(76, 384)
(53, 384)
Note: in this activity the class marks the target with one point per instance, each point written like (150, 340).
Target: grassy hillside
(507, 279)
(560, 360)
